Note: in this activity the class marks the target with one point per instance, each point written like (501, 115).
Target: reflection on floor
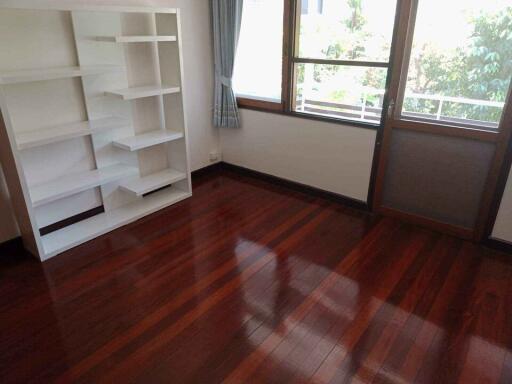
(251, 282)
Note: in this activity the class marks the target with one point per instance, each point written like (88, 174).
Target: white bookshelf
(87, 124)
(78, 233)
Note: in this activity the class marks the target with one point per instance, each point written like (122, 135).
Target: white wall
(197, 56)
(503, 226)
(328, 156)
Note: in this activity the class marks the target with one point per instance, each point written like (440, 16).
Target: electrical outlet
(214, 156)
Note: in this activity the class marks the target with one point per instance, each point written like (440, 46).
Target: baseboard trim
(348, 201)
(206, 170)
(498, 245)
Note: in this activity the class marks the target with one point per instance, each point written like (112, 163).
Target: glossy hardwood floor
(249, 282)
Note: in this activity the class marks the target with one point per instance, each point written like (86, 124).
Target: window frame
(290, 59)
(273, 106)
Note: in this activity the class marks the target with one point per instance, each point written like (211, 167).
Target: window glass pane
(258, 65)
(461, 62)
(346, 29)
(353, 93)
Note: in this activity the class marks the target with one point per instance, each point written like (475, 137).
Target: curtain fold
(226, 21)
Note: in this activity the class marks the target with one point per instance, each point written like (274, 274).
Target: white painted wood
(62, 5)
(13, 77)
(86, 230)
(129, 138)
(150, 183)
(143, 69)
(136, 39)
(55, 211)
(145, 91)
(30, 139)
(170, 56)
(78, 182)
(46, 50)
(134, 143)
(31, 40)
(87, 26)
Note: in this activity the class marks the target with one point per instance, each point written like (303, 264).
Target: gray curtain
(226, 21)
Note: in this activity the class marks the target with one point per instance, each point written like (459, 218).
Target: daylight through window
(260, 48)
(342, 58)
(461, 62)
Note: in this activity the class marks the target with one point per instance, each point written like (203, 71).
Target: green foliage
(356, 22)
(351, 45)
(479, 70)
(489, 60)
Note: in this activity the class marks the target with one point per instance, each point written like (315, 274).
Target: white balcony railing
(367, 113)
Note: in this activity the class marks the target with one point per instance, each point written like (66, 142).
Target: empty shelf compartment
(145, 140)
(63, 132)
(24, 76)
(150, 183)
(78, 182)
(88, 229)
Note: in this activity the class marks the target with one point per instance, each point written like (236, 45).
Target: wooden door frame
(401, 45)
(498, 171)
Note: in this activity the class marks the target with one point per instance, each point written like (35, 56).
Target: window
(342, 58)
(461, 61)
(337, 65)
(336, 56)
(260, 48)
(346, 92)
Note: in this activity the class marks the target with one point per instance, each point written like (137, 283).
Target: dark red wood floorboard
(283, 353)
(251, 282)
(436, 274)
(162, 319)
(284, 277)
(246, 258)
(150, 349)
(447, 349)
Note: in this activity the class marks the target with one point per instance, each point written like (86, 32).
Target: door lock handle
(391, 108)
